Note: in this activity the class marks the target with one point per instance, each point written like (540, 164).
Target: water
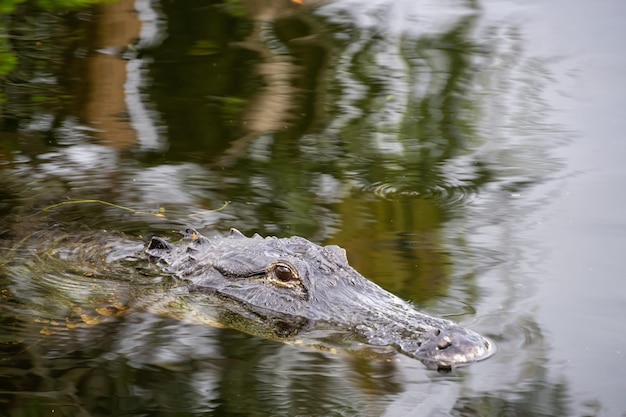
(467, 155)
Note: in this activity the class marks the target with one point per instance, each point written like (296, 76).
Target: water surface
(467, 155)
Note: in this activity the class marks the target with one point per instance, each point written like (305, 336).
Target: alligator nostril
(437, 332)
(444, 343)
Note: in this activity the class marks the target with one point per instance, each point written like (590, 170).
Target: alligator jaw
(437, 342)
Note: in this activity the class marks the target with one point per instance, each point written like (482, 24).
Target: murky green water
(467, 155)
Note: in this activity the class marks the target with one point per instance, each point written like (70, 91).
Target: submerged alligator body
(285, 289)
(292, 290)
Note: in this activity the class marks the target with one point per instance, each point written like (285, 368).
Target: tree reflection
(311, 123)
(36, 38)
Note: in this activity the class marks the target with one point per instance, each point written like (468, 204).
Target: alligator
(293, 286)
(285, 289)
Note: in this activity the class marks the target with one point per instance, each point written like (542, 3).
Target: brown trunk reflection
(117, 26)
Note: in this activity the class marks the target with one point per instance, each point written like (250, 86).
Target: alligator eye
(283, 273)
(285, 276)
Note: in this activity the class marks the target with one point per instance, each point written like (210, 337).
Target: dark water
(467, 155)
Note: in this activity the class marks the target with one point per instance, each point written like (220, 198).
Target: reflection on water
(155, 366)
(415, 136)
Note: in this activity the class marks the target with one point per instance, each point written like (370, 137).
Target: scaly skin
(289, 288)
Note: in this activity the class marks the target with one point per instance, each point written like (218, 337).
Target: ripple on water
(445, 195)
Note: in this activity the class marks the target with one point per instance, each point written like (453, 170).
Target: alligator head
(285, 287)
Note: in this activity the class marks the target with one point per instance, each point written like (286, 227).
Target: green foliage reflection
(7, 58)
(32, 46)
(9, 6)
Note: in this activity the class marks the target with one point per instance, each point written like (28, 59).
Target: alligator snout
(451, 347)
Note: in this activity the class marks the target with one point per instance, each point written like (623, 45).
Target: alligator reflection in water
(285, 289)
